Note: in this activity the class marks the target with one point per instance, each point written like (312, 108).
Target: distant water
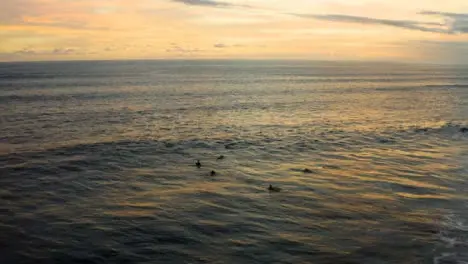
(97, 162)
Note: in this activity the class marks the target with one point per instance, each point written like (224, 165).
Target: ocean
(97, 162)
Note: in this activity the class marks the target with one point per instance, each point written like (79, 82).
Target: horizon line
(235, 59)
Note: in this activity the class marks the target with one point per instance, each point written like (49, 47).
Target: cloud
(62, 24)
(63, 51)
(56, 51)
(13, 10)
(220, 45)
(406, 24)
(25, 51)
(439, 43)
(209, 3)
(51, 13)
(178, 49)
(446, 14)
(455, 22)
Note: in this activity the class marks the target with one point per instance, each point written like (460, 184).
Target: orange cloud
(117, 29)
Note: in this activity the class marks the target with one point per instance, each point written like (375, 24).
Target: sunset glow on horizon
(436, 31)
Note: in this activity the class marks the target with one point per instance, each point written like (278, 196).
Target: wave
(459, 129)
(453, 236)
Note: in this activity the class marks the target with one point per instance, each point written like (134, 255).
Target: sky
(433, 31)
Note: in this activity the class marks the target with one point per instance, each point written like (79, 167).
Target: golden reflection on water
(385, 161)
(425, 196)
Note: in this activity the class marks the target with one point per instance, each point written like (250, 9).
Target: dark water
(96, 162)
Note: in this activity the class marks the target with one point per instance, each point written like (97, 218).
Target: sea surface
(97, 162)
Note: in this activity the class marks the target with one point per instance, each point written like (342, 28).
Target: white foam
(454, 236)
(437, 260)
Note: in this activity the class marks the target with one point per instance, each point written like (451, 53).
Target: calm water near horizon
(97, 162)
